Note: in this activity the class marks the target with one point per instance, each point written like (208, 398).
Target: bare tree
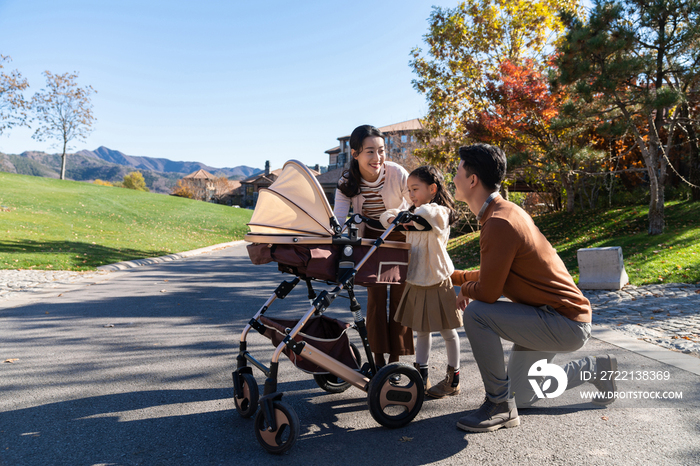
(13, 107)
(221, 187)
(64, 111)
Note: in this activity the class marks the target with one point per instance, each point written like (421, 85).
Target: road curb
(170, 257)
(646, 349)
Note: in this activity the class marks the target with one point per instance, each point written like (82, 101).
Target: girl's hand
(390, 220)
(462, 301)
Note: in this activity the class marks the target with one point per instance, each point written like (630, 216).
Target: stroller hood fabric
(294, 204)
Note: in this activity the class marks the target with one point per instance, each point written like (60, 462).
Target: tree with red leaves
(524, 118)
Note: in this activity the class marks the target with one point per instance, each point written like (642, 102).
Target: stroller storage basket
(388, 265)
(324, 333)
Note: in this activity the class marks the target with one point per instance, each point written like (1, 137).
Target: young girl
(429, 302)
(371, 186)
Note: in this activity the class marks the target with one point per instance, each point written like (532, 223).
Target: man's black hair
(485, 161)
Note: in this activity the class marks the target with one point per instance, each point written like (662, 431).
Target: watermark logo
(543, 369)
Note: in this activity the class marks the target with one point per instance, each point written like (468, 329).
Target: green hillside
(80, 167)
(673, 257)
(68, 225)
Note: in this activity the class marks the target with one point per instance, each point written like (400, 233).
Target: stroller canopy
(294, 204)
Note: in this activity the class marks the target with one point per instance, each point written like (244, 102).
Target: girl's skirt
(429, 308)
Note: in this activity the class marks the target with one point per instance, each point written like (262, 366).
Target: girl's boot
(447, 387)
(424, 374)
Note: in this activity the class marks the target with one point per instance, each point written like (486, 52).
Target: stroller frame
(396, 386)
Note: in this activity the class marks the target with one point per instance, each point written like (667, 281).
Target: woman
(371, 186)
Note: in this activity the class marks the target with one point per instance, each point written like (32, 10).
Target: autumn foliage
(522, 108)
(135, 180)
(183, 189)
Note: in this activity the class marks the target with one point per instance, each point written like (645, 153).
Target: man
(546, 312)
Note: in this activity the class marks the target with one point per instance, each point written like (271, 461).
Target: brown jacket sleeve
(462, 276)
(499, 244)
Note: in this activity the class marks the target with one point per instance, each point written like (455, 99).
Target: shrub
(183, 190)
(134, 180)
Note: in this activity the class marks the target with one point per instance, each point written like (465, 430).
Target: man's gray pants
(536, 333)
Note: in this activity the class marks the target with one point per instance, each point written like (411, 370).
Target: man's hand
(462, 301)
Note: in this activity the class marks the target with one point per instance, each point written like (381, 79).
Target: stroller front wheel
(334, 384)
(248, 403)
(286, 434)
(394, 401)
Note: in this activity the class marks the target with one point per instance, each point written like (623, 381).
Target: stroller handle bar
(401, 218)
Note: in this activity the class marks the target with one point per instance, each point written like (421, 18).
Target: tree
(13, 106)
(523, 116)
(220, 188)
(134, 180)
(631, 59)
(183, 189)
(466, 43)
(64, 111)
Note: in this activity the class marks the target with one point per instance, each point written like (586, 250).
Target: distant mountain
(110, 165)
(166, 165)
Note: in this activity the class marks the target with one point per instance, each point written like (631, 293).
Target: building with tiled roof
(200, 174)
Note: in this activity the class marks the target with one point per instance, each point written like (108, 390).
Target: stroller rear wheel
(248, 403)
(394, 401)
(334, 384)
(287, 432)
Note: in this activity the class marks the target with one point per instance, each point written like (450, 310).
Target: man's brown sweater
(519, 263)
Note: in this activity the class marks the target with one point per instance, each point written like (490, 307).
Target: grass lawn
(68, 225)
(673, 257)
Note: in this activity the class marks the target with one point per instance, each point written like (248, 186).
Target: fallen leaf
(405, 439)
(605, 418)
(163, 291)
(11, 360)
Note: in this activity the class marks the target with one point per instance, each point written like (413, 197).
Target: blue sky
(225, 83)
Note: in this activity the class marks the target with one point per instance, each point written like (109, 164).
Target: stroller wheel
(333, 384)
(248, 403)
(287, 432)
(394, 403)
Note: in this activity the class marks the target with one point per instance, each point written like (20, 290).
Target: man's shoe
(449, 386)
(491, 416)
(606, 372)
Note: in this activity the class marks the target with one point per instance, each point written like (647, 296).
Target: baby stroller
(294, 226)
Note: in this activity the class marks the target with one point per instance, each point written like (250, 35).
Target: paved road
(134, 367)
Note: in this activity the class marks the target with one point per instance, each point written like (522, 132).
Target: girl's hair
(349, 182)
(430, 175)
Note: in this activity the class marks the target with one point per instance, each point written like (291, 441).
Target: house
(400, 142)
(234, 195)
(329, 182)
(202, 183)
